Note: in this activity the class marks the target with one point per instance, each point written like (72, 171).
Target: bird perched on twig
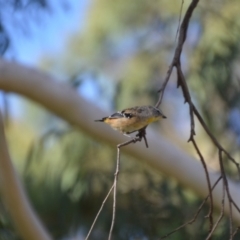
(133, 119)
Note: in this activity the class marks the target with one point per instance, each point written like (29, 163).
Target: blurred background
(116, 55)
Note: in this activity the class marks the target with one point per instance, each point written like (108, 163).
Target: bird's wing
(116, 115)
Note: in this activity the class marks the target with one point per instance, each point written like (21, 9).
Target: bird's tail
(100, 120)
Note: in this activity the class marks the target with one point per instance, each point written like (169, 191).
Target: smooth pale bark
(12, 191)
(64, 101)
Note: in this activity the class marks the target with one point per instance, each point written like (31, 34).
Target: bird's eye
(127, 115)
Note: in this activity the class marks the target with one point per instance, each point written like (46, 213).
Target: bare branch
(235, 232)
(141, 134)
(212, 137)
(228, 193)
(179, 20)
(115, 192)
(220, 216)
(178, 50)
(187, 97)
(196, 214)
(99, 211)
(208, 183)
(193, 111)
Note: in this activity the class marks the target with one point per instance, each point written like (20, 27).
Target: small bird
(133, 119)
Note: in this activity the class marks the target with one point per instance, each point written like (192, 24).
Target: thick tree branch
(24, 218)
(64, 101)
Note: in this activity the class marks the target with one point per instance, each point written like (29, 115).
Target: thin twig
(208, 183)
(178, 50)
(212, 137)
(220, 216)
(236, 230)
(196, 214)
(162, 89)
(179, 20)
(235, 205)
(99, 211)
(115, 191)
(228, 193)
(141, 134)
(187, 97)
(193, 111)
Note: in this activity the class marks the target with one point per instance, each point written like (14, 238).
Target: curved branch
(64, 101)
(25, 220)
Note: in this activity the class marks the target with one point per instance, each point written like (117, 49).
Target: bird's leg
(142, 134)
(138, 138)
